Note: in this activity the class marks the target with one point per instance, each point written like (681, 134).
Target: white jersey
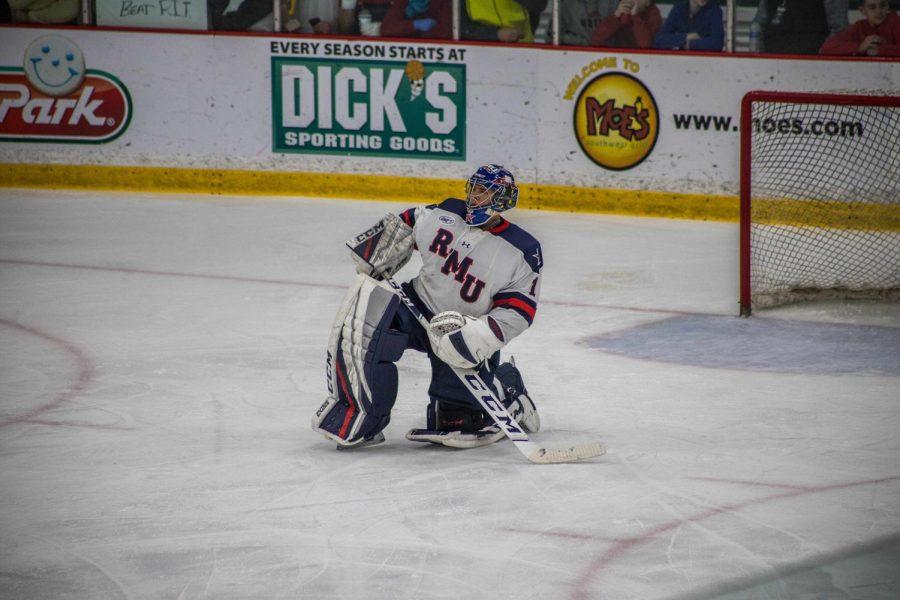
(492, 273)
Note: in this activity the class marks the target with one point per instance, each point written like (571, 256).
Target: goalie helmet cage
(820, 197)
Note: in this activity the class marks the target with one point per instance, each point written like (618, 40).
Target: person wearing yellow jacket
(500, 20)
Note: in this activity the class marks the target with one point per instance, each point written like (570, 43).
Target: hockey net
(820, 197)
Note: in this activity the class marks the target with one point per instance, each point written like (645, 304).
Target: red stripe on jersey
(500, 227)
(342, 433)
(407, 218)
(517, 304)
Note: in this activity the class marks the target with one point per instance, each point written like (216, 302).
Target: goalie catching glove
(460, 341)
(384, 248)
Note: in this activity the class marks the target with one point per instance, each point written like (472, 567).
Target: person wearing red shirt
(419, 19)
(633, 25)
(876, 35)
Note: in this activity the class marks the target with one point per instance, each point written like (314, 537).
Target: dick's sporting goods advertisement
(377, 108)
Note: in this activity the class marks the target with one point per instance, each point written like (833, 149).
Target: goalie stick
(493, 407)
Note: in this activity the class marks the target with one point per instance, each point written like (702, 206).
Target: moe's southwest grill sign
(615, 118)
(54, 98)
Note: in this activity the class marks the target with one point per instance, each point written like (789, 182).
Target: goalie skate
(457, 439)
(456, 427)
(522, 409)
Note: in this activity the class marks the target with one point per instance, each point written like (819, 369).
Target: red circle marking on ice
(82, 378)
(621, 546)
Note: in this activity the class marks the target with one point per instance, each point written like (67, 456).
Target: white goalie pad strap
(457, 439)
(464, 347)
(384, 248)
(345, 415)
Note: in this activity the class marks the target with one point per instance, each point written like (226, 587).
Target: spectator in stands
(878, 34)
(633, 24)
(799, 26)
(366, 16)
(5, 12)
(322, 17)
(498, 20)
(579, 18)
(692, 25)
(241, 15)
(535, 9)
(609, 23)
(44, 11)
(419, 18)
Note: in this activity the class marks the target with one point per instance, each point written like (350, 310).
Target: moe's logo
(616, 121)
(54, 98)
(369, 108)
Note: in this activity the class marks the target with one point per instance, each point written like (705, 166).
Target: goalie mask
(491, 190)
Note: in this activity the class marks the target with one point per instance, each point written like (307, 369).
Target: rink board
(584, 129)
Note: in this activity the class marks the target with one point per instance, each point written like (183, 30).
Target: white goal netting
(824, 197)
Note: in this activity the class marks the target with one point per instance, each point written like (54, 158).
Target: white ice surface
(161, 356)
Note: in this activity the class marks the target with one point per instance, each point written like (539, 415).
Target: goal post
(820, 197)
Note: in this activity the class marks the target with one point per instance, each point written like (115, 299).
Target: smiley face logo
(54, 65)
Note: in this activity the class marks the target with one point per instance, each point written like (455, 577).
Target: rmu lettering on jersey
(458, 269)
(474, 271)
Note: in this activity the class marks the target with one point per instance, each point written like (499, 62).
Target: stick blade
(566, 454)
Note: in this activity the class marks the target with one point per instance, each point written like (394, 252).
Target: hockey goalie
(478, 287)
